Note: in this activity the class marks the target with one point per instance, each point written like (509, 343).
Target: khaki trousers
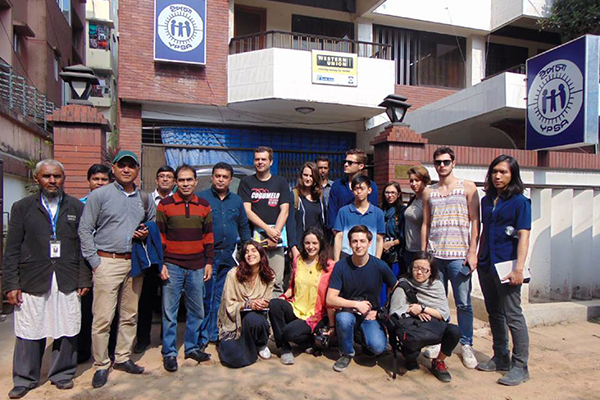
(114, 286)
(277, 263)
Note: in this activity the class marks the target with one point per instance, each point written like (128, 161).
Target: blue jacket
(147, 253)
(340, 195)
(229, 223)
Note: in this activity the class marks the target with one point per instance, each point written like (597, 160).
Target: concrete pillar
(79, 142)
(364, 33)
(476, 51)
(582, 261)
(596, 245)
(540, 254)
(561, 231)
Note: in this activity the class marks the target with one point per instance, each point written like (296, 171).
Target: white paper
(506, 267)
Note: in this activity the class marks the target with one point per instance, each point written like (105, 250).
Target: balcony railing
(517, 69)
(23, 98)
(302, 41)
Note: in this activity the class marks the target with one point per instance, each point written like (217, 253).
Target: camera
(321, 338)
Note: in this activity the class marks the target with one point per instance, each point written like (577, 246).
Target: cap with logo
(126, 153)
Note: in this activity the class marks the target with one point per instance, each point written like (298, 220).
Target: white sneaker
(264, 353)
(468, 357)
(432, 351)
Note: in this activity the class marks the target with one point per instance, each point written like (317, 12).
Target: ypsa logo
(180, 28)
(555, 97)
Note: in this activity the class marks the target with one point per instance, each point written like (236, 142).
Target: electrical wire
(16, 53)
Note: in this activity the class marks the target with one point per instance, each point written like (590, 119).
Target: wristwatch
(423, 308)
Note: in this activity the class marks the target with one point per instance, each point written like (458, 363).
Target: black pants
(27, 360)
(149, 301)
(448, 335)
(237, 353)
(286, 326)
(84, 338)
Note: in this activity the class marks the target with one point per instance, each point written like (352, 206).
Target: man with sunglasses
(341, 193)
(450, 232)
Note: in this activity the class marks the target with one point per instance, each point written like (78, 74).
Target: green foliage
(31, 187)
(573, 18)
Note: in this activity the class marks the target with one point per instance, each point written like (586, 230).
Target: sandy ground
(563, 366)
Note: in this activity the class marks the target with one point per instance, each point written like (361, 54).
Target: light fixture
(80, 79)
(395, 107)
(305, 110)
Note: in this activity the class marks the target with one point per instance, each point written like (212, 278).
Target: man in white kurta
(44, 276)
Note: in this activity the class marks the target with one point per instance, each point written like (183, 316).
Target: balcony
(271, 72)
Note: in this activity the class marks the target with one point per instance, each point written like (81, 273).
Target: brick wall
(130, 127)
(143, 79)
(419, 96)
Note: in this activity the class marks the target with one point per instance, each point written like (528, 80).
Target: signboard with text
(562, 96)
(180, 31)
(332, 68)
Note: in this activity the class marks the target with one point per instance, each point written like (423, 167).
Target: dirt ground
(563, 366)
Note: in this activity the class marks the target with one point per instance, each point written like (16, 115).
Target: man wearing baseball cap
(114, 215)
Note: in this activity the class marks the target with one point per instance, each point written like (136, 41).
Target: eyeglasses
(350, 162)
(438, 163)
(391, 193)
(421, 269)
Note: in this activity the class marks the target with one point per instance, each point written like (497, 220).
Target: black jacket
(27, 263)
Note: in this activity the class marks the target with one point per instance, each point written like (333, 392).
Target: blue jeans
(192, 281)
(372, 332)
(461, 288)
(212, 302)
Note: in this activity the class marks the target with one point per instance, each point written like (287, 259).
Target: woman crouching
(423, 308)
(242, 320)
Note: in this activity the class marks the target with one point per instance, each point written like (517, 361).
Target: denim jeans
(372, 332)
(192, 281)
(212, 301)
(450, 270)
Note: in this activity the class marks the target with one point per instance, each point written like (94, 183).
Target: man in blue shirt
(354, 288)
(341, 194)
(229, 223)
(360, 212)
(98, 175)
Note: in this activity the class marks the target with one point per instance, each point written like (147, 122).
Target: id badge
(54, 248)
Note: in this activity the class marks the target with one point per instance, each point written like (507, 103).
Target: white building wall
(13, 190)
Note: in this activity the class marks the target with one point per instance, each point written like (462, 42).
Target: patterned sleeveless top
(450, 223)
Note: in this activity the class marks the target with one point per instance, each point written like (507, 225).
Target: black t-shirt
(364, 282)
(265, 196)
(309, 213)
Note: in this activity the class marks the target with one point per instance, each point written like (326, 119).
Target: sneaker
(264, 353)
(432, 351)
(287, 358)
(170, 363)
(342, 363)
(440, 371)
(468, 357)
(515, 376)
(197, 355)
(495, 364)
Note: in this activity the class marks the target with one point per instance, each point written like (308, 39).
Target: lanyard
(53, 220)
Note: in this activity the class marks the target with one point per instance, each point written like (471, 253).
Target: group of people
(224, 256)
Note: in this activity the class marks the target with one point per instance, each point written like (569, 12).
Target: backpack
(146, 203)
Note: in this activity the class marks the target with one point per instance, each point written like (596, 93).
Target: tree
(573, 18)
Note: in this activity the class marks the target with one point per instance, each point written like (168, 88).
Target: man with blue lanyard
(44, 278)
(229, 223)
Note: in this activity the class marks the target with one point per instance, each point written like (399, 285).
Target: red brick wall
(130, 127)
(420, 96)
(143, 79)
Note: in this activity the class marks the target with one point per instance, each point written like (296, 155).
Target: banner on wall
(562, 96)
(180, 31)
(332, 68)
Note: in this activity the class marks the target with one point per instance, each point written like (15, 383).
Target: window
(56, 68)
(501, 57)
(103, 88)
(16, 43)
(322, 27)
(65, 7)
(99, 36)
(425, 58)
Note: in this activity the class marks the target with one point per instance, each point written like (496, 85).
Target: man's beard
(51, 195)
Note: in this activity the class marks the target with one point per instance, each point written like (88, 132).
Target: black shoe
(18, 391)
(203, 347)
(170, 363)
(342, 363)
(129, 366)
(412, 365)
(141, 346)
(100, 378)
(198, 356)
(64, 384)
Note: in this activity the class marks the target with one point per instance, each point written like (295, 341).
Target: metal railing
(302, 41)
(517, 69)
(23, 98)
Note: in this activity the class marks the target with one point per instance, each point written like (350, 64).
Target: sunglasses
(350, 162)
(438, 163)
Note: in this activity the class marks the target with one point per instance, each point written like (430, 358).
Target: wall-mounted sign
(331, 68)
(180, 31)
(562, 96)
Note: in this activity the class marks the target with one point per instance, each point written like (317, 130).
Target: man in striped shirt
(185, 224)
